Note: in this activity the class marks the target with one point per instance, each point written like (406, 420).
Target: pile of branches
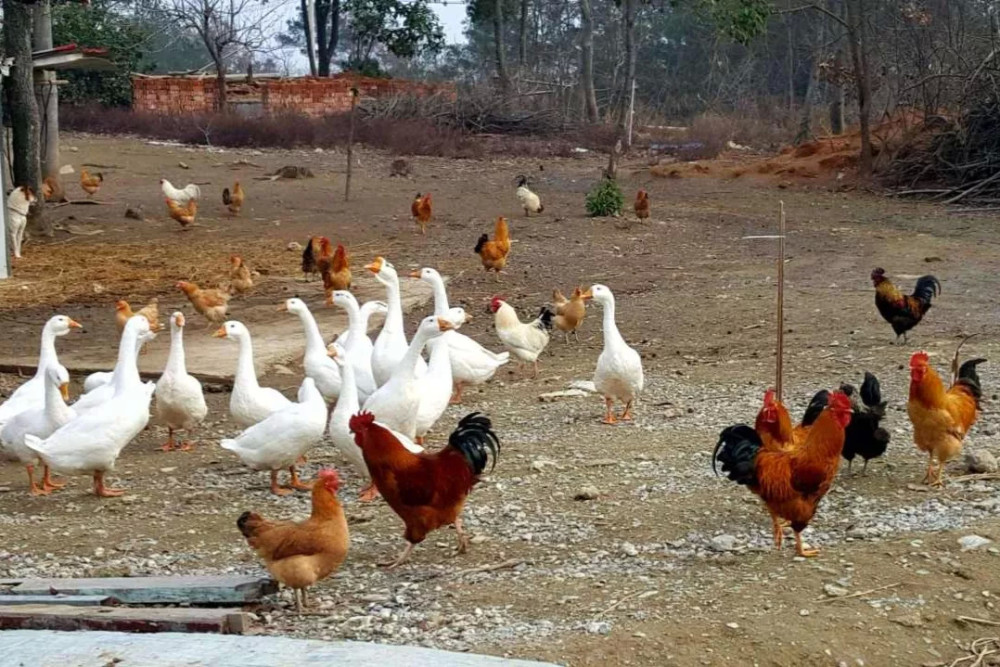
(953, 160)
(477, 113)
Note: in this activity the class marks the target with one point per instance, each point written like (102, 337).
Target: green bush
(606, 199)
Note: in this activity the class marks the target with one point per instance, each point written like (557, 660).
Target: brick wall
(311, 96)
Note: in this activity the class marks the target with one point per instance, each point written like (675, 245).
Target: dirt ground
(669, 565)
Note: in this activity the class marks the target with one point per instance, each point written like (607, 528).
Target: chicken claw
(369, 493)
(402, 558)
(463, 538)
(802, 551)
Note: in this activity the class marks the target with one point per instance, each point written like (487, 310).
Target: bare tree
(587, 61)
(226, 27)
(522, 36)
(628, 20)
(498, 29)
(858, 45)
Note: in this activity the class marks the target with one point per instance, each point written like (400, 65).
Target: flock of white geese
(388, 377)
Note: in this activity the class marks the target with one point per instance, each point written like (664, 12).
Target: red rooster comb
(330, 478)
(361, 421)
(919, 359)
(769, 397)
(839, 401)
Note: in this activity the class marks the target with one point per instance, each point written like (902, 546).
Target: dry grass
(100, 273)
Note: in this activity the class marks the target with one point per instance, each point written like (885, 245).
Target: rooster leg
(576, 336)
(170, 445)
(930, 470)
(777, 531)
(295, 482)
(457, 396)
(566, 336)
(403, 557)
(849, 464)
(609, 413)
(627, 412)
(463, 538)
(534, 374)
(275, 488)
(48, 484)
(305, 598)
(102, 491)
(864, 469)
(33, 488)
(369, 493)
(802, 551)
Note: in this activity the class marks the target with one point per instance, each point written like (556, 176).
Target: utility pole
(4, 253)
(47, 93)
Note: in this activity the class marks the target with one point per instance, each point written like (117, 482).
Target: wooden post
(779, 358)
(350, 144)
(631, 115)
(47, 93)
(4, 252)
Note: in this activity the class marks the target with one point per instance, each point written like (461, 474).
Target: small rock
(554, 396)
(293, 246)
(979, 461)
(630, 549)
(724, 543)
(911, 620)
(733, 626)
(598, 627)
(803, 612)
(587, 493)
(183, 165)
(971, 542)
(834, 591)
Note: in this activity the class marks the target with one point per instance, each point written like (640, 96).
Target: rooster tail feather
(545, 316)
(927, 288)
(737, 450)
(969, 378)
(308, 261)
(475, 439)
(243, 523)
(501, 233)
(480, 243)
(227, 198)
(816, 406)
(871, 390)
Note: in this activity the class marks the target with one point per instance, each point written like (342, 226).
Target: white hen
(181, 196)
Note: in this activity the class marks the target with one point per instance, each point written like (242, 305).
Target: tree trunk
(47, 93)
(522, 45)
(805, 115)
(857, 43)
(836, 86)
(628, 16)
(20, 85)
(221, 103)
(498, 45)
(587, 64)
(327, 33)
(307, 26)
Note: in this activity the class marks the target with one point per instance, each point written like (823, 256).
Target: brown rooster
(421, 210)
(899, 310)
(183, 214)
(642, 205)
(494, 253)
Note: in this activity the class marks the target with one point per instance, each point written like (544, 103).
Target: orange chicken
(123, 312)
(211, 303)
(337, 274)
(91, 184)
(240, 278)
(570, 312)
(421, 210)
(642, 205)
(52, 189)
(183, 214)
(233, 199)
(941, 418)
(494, 253)
(299, 554)
(315, 255)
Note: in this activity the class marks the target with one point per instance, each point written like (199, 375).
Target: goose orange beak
(220, 333)
(444, 325)
(73, 324)
(414, 274)
(64, 390)
(283, 308)
(375, 266)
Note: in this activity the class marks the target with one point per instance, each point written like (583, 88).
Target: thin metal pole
(350, 144)
(779, 359)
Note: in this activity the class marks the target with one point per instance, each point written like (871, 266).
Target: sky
(452, 16)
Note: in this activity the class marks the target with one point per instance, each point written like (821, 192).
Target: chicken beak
(375, 266)
(220, 333)
(444, 325)
(73, 324)
(64, 390)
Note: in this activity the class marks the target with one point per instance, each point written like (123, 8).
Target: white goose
(316, 362)
(91, 443)
(619, 368)
(180, 401)
(100, 378)
(31, 394)
(101, 394)
(358, 346)
(39, 422)
(281, 439)
(436, 386)
(339, 429)
(390, 346)
(471, 363)
(395, 403)
(368, 308)
(249, 403)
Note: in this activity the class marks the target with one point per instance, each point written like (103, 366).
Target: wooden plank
(72, 600)
(234, 590)
(124, 619)
(99, 649)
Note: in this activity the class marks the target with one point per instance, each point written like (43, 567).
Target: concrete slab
(48, 648)
(210, 589)
(127, 619)
(278, 338)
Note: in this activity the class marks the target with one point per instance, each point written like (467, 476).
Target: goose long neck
(412, 356)
(126, 374)
(314, 340)
(245, 372)
(440, 297)
(176, 362)
(611, 333)
(53, 398)
(394, 317)
(47, 353)
(348, 400)
(356, 324)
